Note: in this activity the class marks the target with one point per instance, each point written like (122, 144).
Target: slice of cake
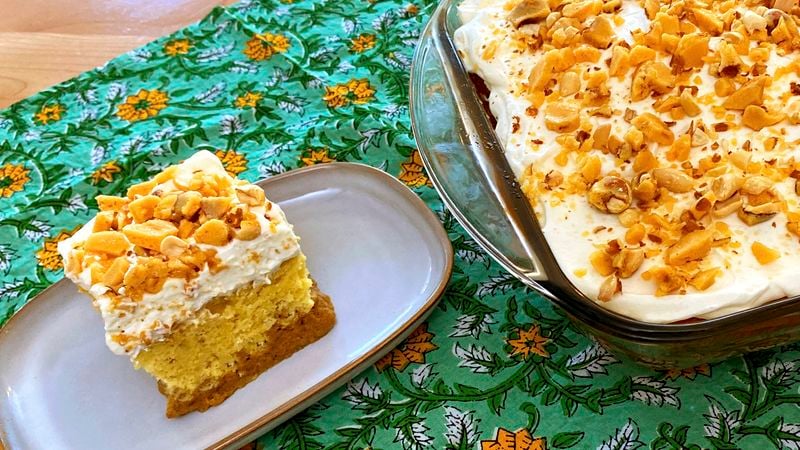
(199, 279)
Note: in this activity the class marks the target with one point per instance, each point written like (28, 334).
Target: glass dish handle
(463, 158)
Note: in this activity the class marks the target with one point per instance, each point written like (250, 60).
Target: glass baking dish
(465, 162)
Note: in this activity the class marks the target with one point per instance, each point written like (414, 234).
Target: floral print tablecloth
(273, 86)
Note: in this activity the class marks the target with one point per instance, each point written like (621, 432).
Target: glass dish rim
(438, 34)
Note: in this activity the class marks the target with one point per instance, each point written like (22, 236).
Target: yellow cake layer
(198, 356)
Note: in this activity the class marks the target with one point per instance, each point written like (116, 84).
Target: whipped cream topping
(148, 319)
(489, 46)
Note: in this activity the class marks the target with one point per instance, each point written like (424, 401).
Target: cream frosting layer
(485, 41)
(241, 262)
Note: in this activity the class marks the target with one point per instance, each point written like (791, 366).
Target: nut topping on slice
(149, 234)
(250, 195)
(213, 232)
(187, 204)
(143, 208)
(111, 243)
(215, 207)
(116, 272)
(173, 246)
(249, 230)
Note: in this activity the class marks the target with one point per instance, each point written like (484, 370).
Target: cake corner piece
(199, 279)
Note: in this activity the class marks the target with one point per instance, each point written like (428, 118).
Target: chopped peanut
(250, 229)
(173, 246)
(610, 287)
(251, 195)
(628, 261)
(673, 180)
(215, 207)
(611, 195)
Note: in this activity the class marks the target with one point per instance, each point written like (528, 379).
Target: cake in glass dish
(199, 279)
(655, 141)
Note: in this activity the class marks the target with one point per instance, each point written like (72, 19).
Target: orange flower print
(362, 43)
(49, 113)
(354, 91)
(234, 162)
(177, 47)
(519, 440)
(412, 10)
(13, 178)
(317, 157)
(106, 172)
(362, 90)
(336, 96)
(48, 256)
(413, 172)
(690, 373)
(529, 342)
(413, 350)
(248, 100)
(143, 105)
(262, 46)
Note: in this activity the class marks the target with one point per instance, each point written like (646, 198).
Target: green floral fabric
(273, 86)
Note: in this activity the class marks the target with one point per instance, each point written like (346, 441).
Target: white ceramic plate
(372, 245)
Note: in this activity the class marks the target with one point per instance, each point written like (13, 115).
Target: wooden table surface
(44, 42)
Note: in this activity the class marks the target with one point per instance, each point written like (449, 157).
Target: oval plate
(372, 245)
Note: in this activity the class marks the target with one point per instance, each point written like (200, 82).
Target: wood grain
(44, 42)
